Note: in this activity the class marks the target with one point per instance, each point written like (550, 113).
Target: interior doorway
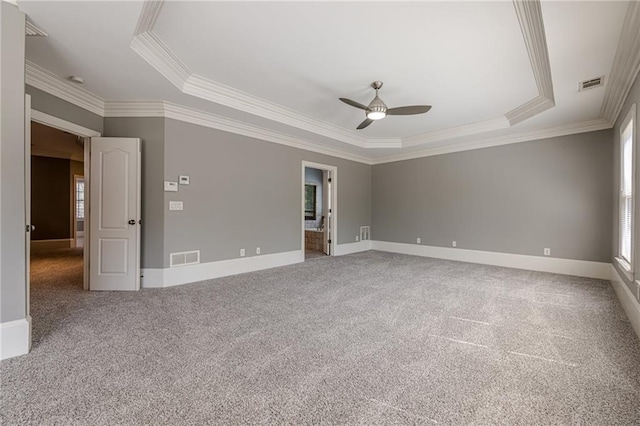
(56, 209)
(319, 212)
(55, 144)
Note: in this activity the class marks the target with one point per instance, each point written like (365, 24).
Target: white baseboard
(355, 247)
(580, 268)
(167, 277)
(41, 245)
(627, 300)
(15, 338)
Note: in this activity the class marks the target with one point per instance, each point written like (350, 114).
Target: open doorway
(319, 210)
(57, 197)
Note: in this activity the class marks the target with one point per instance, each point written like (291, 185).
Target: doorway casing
(67, 126)
(334, 202)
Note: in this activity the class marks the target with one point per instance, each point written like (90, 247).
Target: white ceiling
(469, 60)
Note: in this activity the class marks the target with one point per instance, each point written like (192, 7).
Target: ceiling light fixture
(76, 80)
(377, 109)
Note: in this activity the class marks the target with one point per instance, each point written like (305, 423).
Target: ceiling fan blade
(364, 124)
(409, 110)
(353, 103)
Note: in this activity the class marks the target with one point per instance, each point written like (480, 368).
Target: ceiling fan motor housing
(376, 109)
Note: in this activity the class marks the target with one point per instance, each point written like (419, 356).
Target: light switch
(171, 186)
(184, 180)
(175, 205)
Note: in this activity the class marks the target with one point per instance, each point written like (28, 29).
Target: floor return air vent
(184, 258)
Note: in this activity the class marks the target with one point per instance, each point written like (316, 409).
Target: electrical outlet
(547, 252)
(418, 240)
(257, 250)
(453, 244)
(357, 237)
(241, 252)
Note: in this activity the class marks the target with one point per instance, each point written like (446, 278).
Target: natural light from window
(626, 189)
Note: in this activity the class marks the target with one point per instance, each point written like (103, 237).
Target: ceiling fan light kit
(377, 109)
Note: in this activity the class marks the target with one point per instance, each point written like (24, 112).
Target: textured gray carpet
(370, 338)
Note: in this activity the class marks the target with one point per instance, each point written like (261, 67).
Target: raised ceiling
(492, 70)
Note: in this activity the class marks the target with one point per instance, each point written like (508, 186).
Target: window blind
(626, 191)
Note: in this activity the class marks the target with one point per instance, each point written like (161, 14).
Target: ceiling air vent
(590, 84)
(32, 30)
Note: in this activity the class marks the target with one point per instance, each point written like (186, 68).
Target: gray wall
(632, 98)
(52, 105)
(246, 193)
(151, 132)
(517, 198)
(51, 181)
(12, 161)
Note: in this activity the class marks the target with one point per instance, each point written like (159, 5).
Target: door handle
(132, 222)
(31, 228)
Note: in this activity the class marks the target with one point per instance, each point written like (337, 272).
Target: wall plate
(171, 186)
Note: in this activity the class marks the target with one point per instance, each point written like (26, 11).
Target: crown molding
(204, 88)
(32, 30)
(157, 54)
(626, 65)
(569, 129)
(456, 132)
(49, 82)
(206, 119)
(82, 98)
(532, 26)
(148, 16)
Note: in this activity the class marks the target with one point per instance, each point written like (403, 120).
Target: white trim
(45, 80)
(15, 338)
(150, 47)
(532, 25)
(565, 130)
(146, 108)
(32, 30)
(60, 124)
(626, 65)
(581, 268)
(627, 300)
(627, 265)
(355, 247)
(456, 132)
(334, 203)
(168, 277)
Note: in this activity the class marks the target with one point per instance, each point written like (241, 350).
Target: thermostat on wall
(171, 186)
(184, 180)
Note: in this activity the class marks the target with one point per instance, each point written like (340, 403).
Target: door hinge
(329, 180)
(329, 241)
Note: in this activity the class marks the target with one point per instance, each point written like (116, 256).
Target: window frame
(630, 119)
(311, 214)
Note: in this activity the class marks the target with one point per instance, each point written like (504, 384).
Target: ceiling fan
(377, 110)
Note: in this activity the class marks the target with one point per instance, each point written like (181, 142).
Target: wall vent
(591, 84)
(365, 233)
(184, 258)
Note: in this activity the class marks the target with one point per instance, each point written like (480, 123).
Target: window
(309, 201)
(627, 150)
(79, 199)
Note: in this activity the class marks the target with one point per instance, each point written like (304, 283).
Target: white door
(27, 202)
(114, 213)
(326, 203)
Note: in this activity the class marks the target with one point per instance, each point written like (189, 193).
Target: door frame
(334, 203)
(87, 134)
